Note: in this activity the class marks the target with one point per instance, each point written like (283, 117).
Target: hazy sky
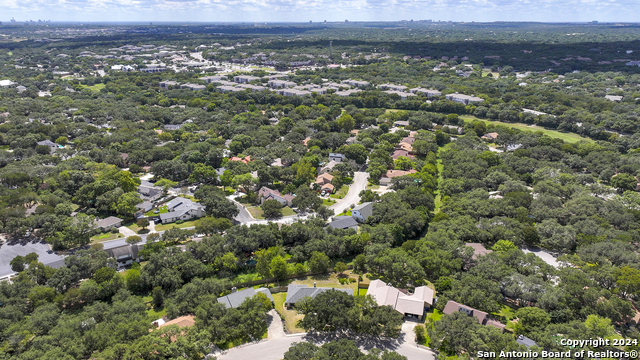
(332, 10)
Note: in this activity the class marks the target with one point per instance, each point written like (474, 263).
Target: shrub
(420, 334)
(114, 230)
(143, 231)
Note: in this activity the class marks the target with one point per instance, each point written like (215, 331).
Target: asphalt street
(353, 196)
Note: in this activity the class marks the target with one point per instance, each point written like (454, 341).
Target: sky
(320, 10)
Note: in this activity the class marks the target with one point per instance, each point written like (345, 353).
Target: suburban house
(325, 178)
(279, 84)
(400, 300)
(125, 254)
(463, 99)
(490, 136)
(236, 298)
(149, 193)
(401, 123)
(343, 222)
(408, 140)
(52, 146)
(390, 174)
(399, 152)
(478, 250)
(109, 223)
(144, 206)
(327, 167)
(453, 306)
(182, 209)
(404, 146)
(392, 87)
(295, 293)
(212, 79)
(403, 95)
(265, 194)
(336, 157)
(195, 87)
(361, 212)
(173, 127)
(246, 159)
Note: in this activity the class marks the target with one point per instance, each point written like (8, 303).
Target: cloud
(333, 10)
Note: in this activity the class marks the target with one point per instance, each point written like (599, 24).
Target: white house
(403, 302)
(182, 209)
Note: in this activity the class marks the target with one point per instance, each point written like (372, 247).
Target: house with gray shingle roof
(108, 223)
(362, 212)
(343, 222)
(295, 293)
(182, 209)
(236, 298)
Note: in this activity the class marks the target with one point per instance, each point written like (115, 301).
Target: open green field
(96, 87)
(568, 137)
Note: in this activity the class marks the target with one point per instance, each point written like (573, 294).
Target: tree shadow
(366, 342)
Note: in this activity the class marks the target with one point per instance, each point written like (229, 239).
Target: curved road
(353, 196)
(275, 349)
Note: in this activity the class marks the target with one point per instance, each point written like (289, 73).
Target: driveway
(126, 231)
(353, 196)
(544, 255)
(276, 328)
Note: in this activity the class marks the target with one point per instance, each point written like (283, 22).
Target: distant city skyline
(306, 10)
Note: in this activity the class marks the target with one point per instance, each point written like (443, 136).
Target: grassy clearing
(96, 87)
(433, 316)
(163, 209)
(567, 137)
(328, 202)
(105, 237)
(341, 193)
(156, 312)
(168, 226)
(362, 292)
(328, 280)
(257, 212)
(287, 211)
(507, 312)
(291, 317)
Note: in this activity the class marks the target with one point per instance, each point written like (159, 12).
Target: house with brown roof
(246, 159)
(265, 194)
(490, 136)
(404, 146)
(390, 174)
(453, 307)
(400, 152)
(409, 140)
(324, 178)
(478, 250)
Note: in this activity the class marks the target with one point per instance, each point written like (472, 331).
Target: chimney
(234, 289)
(314, 284)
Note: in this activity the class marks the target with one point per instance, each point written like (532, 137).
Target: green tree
(158, 296)
(319, 262)
(134, 239)
(340, 267)
(532, 318)
(278, 267)
(272, 209)
(345, 122)
(503, 246)
(624, 182)
(480, 128)
(143, 223)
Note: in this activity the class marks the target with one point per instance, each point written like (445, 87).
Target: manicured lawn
(346, 213)
(291, 317)
(328, 202)
(95, 87)
(163, 209)
(185, 224)
(105, 237)
(341, 193)
(568, 137)
(373, 187)
(287, 211)
(362, 292)
(257, 212)
(328, 280)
